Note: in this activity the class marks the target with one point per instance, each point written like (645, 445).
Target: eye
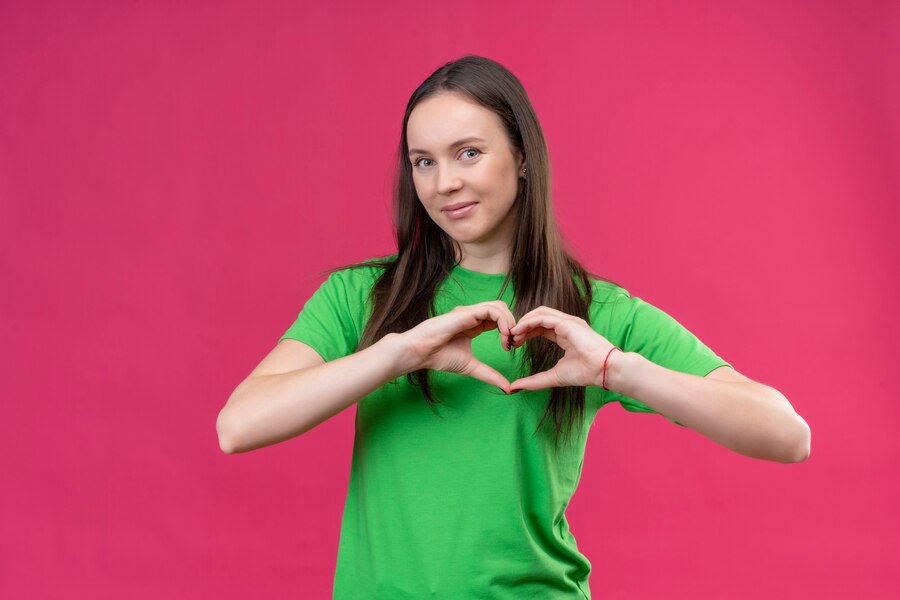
(418, 162)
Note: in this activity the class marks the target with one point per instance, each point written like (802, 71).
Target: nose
(448, 181)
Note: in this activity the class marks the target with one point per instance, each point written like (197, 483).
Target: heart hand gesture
(582, 364)
(444, 342)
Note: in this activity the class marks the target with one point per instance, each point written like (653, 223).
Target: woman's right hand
(444, 342)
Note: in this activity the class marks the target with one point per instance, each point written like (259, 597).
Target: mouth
(456, 206)
(459, 210)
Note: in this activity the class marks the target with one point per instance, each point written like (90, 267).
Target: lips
(456, 206)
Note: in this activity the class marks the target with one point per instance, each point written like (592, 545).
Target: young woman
(478, 356)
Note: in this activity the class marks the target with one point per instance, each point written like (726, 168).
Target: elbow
(226, 446)
(226, 435)
(800, 448)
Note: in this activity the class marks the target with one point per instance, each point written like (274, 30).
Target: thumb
(486, 374)
(538, 381)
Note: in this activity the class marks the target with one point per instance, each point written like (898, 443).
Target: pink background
(174, 177)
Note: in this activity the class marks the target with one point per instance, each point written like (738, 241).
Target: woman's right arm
(280, 400)
(293, 389)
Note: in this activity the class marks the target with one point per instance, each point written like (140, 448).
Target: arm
(745, 416)
(270, 407)
(293, 389)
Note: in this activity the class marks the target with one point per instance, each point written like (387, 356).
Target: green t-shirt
(468, 504)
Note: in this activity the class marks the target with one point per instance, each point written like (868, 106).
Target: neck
(485, 261)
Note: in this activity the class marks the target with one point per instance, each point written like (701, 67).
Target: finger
(509, 321)
(481, 318)
(546, 320)
(500, 313)
(543, 310)
(510, 317)
(504, 323)
(538, 381)
(471, 320)
(484, 373)
(535, 311)
(520, 339)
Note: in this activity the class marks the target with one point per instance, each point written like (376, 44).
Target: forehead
(440, 120)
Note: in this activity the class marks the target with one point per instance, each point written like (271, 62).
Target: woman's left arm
(741, 414)
(748, 417)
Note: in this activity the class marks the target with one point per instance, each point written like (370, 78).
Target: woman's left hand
(585, 349)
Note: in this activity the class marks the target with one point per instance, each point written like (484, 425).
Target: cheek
(507, 188)
(504, 180)
(420, 192)
(423, 189)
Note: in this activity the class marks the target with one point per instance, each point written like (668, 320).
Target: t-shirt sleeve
(329, 321)
(658, 337)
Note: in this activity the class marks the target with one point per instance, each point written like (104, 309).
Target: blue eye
(418, 161)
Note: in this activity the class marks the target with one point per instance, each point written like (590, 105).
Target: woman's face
(460, 156)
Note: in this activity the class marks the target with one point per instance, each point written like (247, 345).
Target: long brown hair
(542, 271)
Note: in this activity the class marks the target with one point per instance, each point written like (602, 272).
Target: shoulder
(611, 306)
(606, 292)
(622, 312)
(621, 305)
(610, 296)
(363, 273)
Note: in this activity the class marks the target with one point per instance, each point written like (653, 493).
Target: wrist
(621, 367)
(404, 359)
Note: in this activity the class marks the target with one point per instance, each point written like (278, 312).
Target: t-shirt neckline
(469, 275)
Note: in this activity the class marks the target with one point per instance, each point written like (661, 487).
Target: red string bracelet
(603, 381)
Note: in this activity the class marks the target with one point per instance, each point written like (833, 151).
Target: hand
(582, 364)
(444, 343)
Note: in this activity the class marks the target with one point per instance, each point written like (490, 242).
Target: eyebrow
(466, 140)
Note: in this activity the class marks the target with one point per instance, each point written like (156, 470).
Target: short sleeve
(658, 337)
(331, 321)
